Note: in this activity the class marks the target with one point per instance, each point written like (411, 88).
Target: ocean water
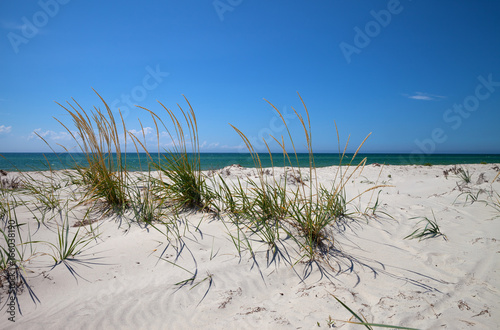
(139, 162)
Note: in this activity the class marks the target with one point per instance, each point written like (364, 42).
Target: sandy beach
(131, 276)
(233, 164)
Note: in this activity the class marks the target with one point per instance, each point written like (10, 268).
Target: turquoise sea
(135, 162)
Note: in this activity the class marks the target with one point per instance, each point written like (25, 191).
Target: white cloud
(424, 96)
(208, 146)
(145, 130)
(50, 135)
(5, 129)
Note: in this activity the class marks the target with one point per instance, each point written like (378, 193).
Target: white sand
(429, 284)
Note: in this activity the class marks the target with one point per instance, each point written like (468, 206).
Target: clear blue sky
(422, 75)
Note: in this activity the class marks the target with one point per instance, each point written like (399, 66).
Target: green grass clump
(185, 186)
(146, 206)
(46, 193)
(68, 246)
(430, 230)
(304, 211)
(104, 170)
(265, 206)
(465, 176)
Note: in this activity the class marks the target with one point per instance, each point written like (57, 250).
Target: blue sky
(423, 76)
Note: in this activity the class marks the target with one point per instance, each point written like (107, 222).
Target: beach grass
(68, 245)
(465, 176)
(430, 229)
(146, 206)
(46, 194)
(185, 186)
(104, 172)
(5, 205)
(266, 208)
(360, 319)
(305, 211)
(273, 208)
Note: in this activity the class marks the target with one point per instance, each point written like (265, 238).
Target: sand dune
(445, 282)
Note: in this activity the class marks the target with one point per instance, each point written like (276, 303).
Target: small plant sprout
(465, 176)
(68, 246)
(330, 322)
(361, 320)
(430, 230)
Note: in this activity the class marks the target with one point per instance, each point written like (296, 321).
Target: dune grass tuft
(185, 185)
(146, 206)
(306, 210)
(46, 193)
(104, 171)
(430, 230)
(465, 176)
(68, 246)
